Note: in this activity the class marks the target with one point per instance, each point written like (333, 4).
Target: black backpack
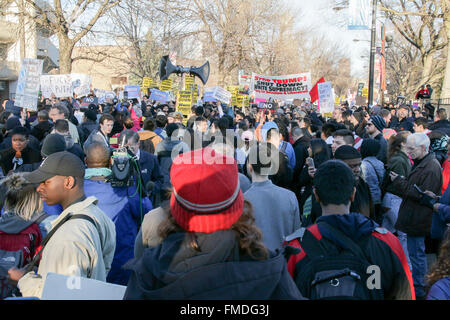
(331, 272)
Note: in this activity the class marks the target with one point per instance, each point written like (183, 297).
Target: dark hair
(128, 123)
(43, 115)
(259, 149)
(384, 113)
(62, 108)
(282, 129)
(441, 114)
(149, 124)
(199, 111)
(129, 135)
(421, 121)
(328, 129)
(320, 151)
(395, 143)
(334, 182)
(20, 130)
(161, 121)
(105, 117)
(346, 134)
(62, 125)
(171, 128)
(370, 148)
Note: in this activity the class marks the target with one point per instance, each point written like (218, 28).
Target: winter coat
(150, 170)
(96, 136)
(28, 155)
(400, 164)
(382, 154)
(382, 249)
(276, 212)
(124, 211)
(413, 218)
(77, 246)
(372, 171)
(40, 130)
(440, 290)
(150, 136)
(173, 270)
(441, 125)
(164, 151)
(87, 127)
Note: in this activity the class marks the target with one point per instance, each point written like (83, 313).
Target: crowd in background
(375, 175)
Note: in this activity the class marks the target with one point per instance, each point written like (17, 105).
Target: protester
(19, 153)
(59, 111)
(439, 145)
(43, 127)
(218, 254)
(375, 127)
(102, 133)
(62, 128)
(122, 204)
(275, 209)
(81, 246)
(363, 202)
(342, 137)
(342, 244)
(148, 138)
(414, 219)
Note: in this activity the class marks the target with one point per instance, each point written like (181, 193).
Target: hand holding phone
(310, 162)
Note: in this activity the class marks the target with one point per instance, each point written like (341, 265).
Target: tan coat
(76, 248)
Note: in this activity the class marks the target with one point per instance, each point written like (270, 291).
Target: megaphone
(166, 68)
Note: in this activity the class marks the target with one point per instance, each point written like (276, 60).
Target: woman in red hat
(210, 247)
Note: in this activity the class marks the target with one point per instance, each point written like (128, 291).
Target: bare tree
(70, 20)
(425, 24)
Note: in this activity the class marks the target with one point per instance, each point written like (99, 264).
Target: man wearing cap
(81, 247)
(374, 129)
(175, 117)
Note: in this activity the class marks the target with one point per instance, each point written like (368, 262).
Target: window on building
(3, 51)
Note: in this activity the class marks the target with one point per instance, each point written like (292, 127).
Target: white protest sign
(294, 86)
(81, 84)
(221, 94)
(62, 287)
(326, 98)
(27, 92)
(59, 85)
(104, 95)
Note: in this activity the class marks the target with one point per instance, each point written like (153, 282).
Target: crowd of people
(228, 203)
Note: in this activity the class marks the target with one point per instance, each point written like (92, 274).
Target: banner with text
(27, 92)
(294, 86)
(221, 94)
(158, 95)
(133, 91)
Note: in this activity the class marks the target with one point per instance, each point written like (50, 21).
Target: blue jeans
(418, 258)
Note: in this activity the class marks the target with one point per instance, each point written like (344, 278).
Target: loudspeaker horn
(166, 68)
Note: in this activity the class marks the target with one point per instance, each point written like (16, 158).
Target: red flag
(314, 93)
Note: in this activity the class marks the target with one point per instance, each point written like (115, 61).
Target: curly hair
(441, 268)
(247, 233)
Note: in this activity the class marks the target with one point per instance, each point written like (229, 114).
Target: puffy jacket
(382, 249)
(440, 290)
(413, 218)
(173, 270)
(125, 211)
(372, 171)
(76, 248)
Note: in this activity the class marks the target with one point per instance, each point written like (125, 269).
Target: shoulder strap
(38, 255)
(349, 243)
(41, 218)
(376, 172)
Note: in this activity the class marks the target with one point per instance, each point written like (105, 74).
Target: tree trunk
(427, 68)
(65, 54)
(445, 92)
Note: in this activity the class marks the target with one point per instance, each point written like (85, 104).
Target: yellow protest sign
(153, 84)
(188, 82)
(365, 92)
(336, 100)
(184, 102)
(166, 85)
(146, 82)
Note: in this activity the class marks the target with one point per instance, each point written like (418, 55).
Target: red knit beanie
(206, 192)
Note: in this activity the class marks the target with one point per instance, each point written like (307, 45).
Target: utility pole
(372, 50)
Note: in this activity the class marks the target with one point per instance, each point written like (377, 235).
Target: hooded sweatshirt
(173, 270)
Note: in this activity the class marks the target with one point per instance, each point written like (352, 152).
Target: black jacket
(415, 219)
(441, 125)
(174, 271)
(382, 249)
(40, 130)
(28, 155)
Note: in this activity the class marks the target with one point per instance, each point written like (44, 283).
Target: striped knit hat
(206, 193)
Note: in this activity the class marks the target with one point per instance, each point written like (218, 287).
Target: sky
(320, 15)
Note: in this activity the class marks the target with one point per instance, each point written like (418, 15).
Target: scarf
(97, 172)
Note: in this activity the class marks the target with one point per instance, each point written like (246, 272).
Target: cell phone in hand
(418, 189)
(310, 162)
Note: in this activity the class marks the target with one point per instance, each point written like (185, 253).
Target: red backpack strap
(393, 243)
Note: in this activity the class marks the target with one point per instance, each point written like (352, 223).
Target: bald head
(97, 156)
